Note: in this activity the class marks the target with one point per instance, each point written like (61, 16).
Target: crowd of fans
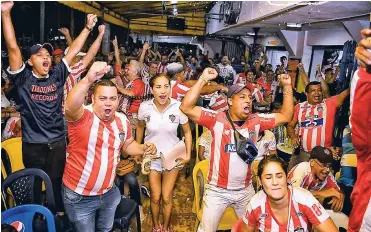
(80, 118)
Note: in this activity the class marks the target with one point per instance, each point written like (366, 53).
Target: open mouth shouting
(246, 110)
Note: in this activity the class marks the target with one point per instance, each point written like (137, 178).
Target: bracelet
(288, 93)
(89, 29)
(206, 81)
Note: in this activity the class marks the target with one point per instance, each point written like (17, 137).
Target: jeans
(131, 180)
(91, 213)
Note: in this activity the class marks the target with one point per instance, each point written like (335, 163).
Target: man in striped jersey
(316, 177)
(98, 135)
(81, 61)
(360, 122)
(229, 177)
(315, 119)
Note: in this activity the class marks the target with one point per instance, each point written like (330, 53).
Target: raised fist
(101, 29)
(64, 31)
(97, 71)
(209, 74)
(285, 79)
(91, 21)
(177, 53)
(6, 6)
(145, 46)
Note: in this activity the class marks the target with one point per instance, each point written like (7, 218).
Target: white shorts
(216, 200)
(156, 165)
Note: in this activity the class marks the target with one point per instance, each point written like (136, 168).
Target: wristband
(206, 81)
(89, 29)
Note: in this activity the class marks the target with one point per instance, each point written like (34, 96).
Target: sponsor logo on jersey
(230, 148)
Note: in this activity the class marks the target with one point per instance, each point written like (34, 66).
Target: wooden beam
(163, 20)
(93, 10)
(165, 30)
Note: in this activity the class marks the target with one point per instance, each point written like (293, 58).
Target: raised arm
(179, 54)
(143, 54)
(78, 43)
(93, 50)
(188, 105)
(117, 52)
(75, 99)
(303, 74)
(287, 110)
(15, 56)
(340, 98)
(67, 35)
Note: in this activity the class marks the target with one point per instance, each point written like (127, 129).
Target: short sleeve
(296, 175)
(314, 211)
(332, 102)
(19, 77)
(267, 121)
(138, 88)
(83, 121)
(61, 71)
(129, 137)
(250, 219)
(141, 111)
(207, 118)
(183, 118)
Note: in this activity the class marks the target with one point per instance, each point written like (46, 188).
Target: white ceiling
(327, 15)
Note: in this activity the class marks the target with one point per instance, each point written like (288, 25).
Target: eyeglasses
(329, 165)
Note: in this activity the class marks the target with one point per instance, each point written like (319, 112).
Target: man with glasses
(316, 177)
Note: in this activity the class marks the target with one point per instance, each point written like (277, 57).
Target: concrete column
(42, 21)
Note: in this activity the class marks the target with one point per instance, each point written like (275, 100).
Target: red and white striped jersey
(94, 151)
(218, 102)
(268, 86)
(161, 68)
(316, 123)
(305, 212)
(301, 176)
(178, 90)
(9, 131)
(73, 79)
(188, 74)
(227, 170)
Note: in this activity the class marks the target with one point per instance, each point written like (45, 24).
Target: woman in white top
(161, 117)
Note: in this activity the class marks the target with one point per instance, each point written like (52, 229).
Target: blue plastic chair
(21, 217)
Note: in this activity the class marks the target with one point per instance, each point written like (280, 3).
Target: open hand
(177, 53)
(181, 162)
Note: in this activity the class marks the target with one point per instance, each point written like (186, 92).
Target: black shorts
(49, 157)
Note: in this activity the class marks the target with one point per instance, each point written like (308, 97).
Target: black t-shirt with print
(41, 103)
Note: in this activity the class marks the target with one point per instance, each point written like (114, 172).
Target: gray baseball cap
(173, 69)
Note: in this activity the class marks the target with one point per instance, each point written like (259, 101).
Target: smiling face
(152, 69)
(314, 94)
(274, 181)
(161, 90)
(105, 102)
(241, 104)
(41, 62)
(320, 170)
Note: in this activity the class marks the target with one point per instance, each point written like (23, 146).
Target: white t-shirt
(161, 128)
(265, 144)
